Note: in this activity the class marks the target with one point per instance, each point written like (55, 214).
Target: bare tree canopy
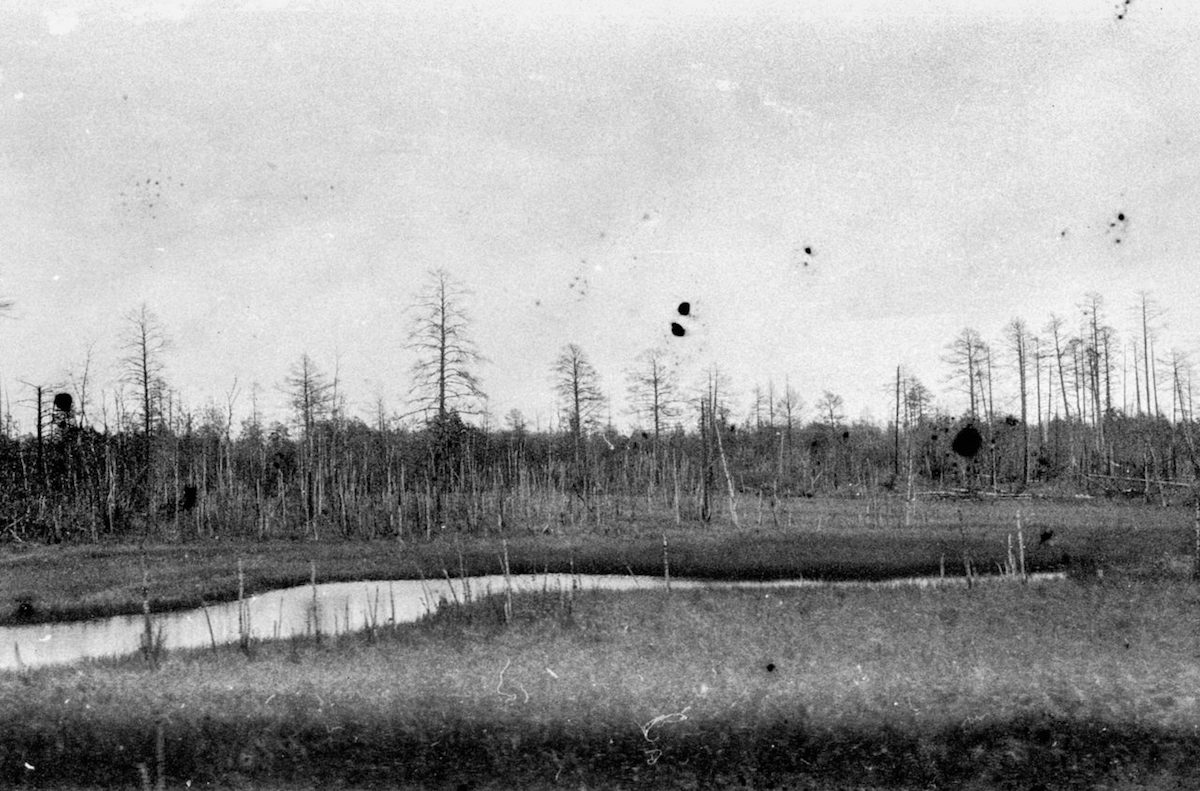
(790, 406)
(443, 374)
(968, 355)
(830, 405)
(310, 393)
(578, 387)
(1018, 338)
(143, 344)
(654, 390)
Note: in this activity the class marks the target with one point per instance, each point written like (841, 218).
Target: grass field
(1064, 685)
(1088, 683)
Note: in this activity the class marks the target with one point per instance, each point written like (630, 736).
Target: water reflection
(337, 607)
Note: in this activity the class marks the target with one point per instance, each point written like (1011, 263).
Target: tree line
(1051, 410)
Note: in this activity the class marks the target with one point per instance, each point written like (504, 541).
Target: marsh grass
(1057, 685)
(828, 539)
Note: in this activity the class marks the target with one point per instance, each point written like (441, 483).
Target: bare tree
(791, 406)
(42, 419)
(985, 384)
(1096, 344)
(310, 393)
(1137, 378)
(81, 384)
(1054, 327)
(1018, 336)
(443, 377)
(967, 354)
(143, 343)
(1181, 387)
(578, 387)
(515, 420)
(832, 452)
(712, 409)
(713, 417)
(1037, 387)
(917, 399)
(1149, 313)
(311, 396)
(654, 390)
(830, 406)
(758, 399)
(1078, 380)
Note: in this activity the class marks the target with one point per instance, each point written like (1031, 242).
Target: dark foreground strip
(1027, 753)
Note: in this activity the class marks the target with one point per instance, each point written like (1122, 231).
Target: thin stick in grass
(666, 564)
(450, 585)
(1196, 534)
(508, 608)
(966, 555)
(370, 614)
(1021, 548)
(392, 598)
(212, 638)
(148, 647)
(571, 586)
(243, 610)
(315, 610)
(462, 575)
(424, 588)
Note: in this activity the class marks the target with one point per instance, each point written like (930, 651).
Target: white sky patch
(61, 21)
(162, 11)
(265, 5)
(699, 77)
(784, 108)
(911, 156)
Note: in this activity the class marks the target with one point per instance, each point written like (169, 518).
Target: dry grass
(1055, 686)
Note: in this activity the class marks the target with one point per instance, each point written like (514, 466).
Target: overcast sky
(274, 178)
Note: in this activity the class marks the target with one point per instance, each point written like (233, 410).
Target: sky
(276, 178)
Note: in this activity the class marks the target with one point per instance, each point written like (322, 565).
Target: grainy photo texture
(607, 395)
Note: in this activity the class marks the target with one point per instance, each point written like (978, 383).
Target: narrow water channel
(338, 607)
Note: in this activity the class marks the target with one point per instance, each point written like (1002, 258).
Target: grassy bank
(822, 539)
(1045, 686)
(826, 539)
